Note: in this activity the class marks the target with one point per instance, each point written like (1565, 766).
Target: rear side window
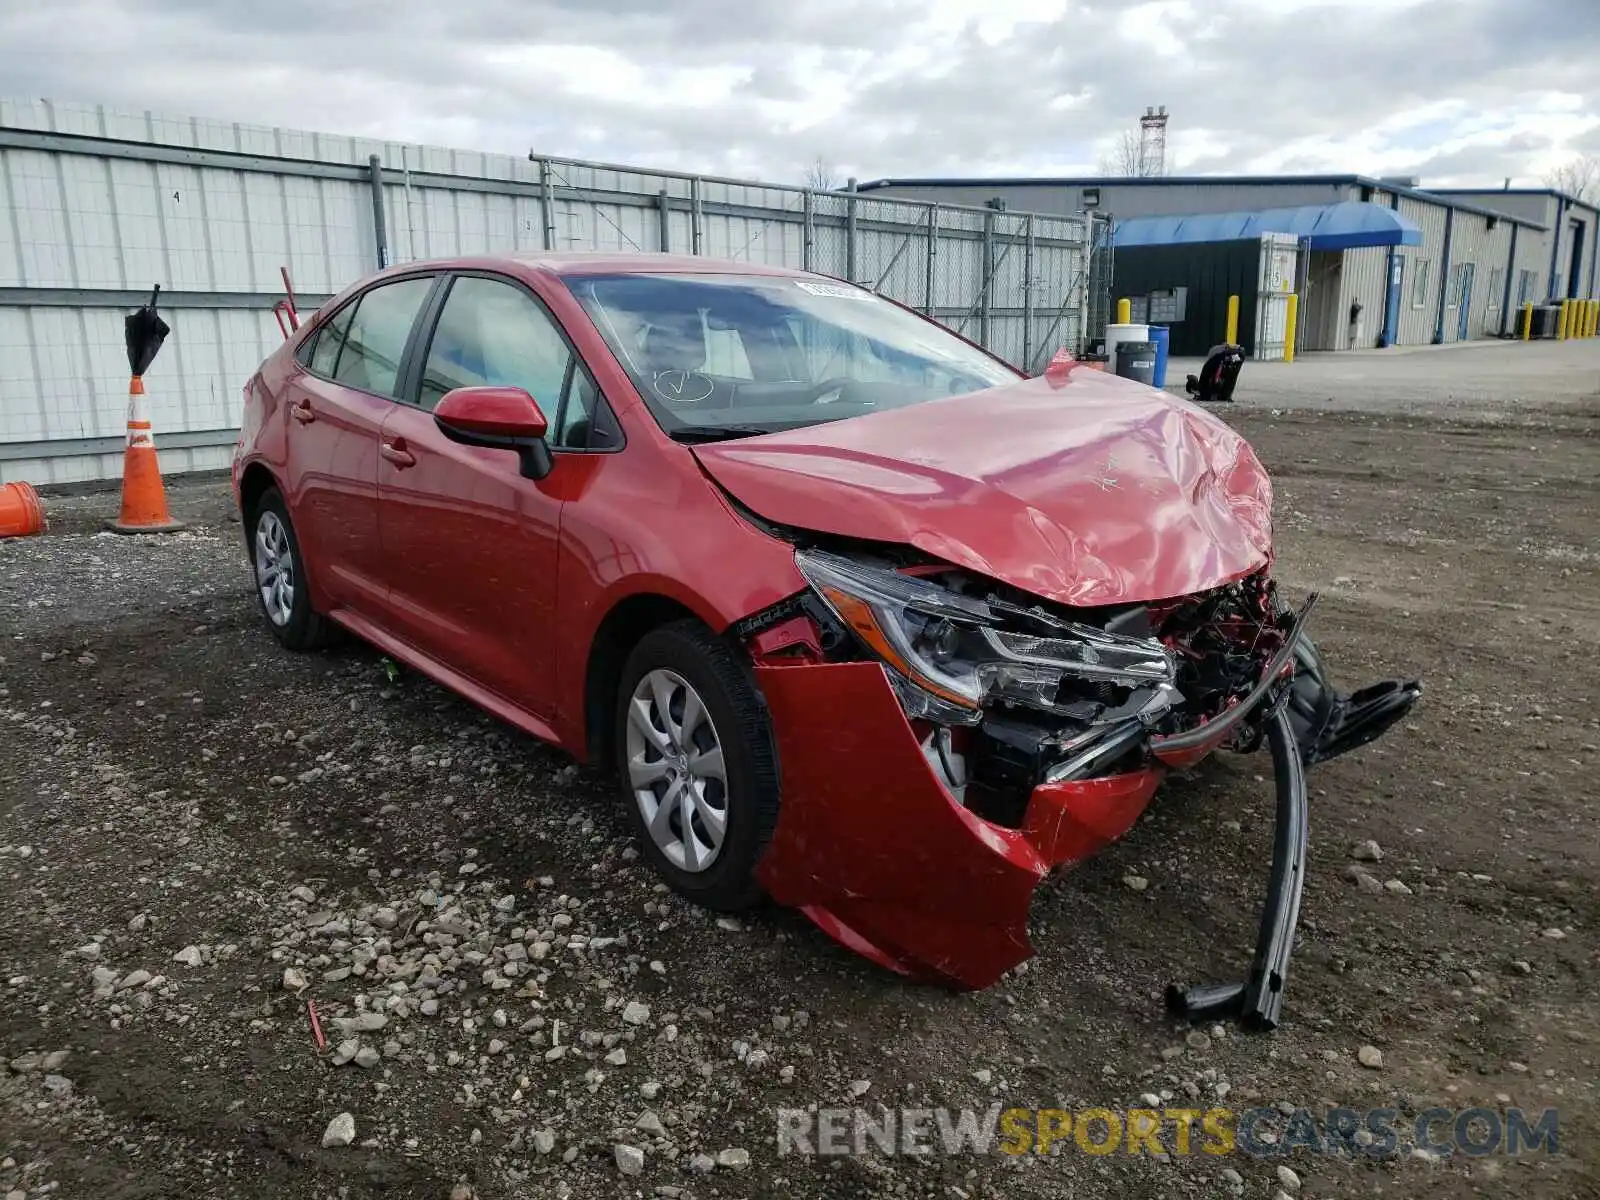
(372, 344)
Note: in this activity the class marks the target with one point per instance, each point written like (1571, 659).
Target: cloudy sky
(1454, 91)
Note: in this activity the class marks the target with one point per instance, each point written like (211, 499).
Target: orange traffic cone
(144, 498)
(21, 514)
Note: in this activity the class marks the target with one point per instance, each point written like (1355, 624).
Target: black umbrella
(144, 332)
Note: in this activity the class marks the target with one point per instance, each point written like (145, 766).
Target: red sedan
(865, 620)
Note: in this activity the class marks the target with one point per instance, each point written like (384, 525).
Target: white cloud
(1447, 89)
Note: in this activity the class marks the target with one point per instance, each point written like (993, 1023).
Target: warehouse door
(1320, 322)
(1464, 318)
(1391, 304)
(1280, 260)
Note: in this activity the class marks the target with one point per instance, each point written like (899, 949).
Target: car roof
(577, 262)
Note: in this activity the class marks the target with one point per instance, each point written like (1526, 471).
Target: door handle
(397, 453)
(300, 410)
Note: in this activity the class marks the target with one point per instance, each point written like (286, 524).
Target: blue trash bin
(1161, 336)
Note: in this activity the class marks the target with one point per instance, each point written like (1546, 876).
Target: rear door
(469, 545)
(336, 409)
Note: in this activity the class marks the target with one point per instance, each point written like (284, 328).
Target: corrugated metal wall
(1488, 303)
(1419, 306)
(1362, 280)
(104, 204)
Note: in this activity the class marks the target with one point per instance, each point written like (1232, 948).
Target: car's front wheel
(698, 767)
(279, 571)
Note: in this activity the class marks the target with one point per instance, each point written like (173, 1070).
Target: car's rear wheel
(699, 772)
(279, 571)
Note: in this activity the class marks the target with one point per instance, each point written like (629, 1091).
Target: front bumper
(872, 847)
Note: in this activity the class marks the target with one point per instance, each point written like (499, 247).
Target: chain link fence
(108, 202)
(1022, 285)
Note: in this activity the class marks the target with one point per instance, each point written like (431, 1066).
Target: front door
(335, 409)
(469, 545)
(1465, 316)
(1391, 300)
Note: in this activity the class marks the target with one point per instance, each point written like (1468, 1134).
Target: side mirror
(499, 418)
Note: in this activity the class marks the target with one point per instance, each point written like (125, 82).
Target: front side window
(329, 340)
(369, 358)
(495, 333)
(727, 355)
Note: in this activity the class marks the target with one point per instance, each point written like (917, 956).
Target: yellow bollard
(1561, 320)
(1124, 311)
(1231, 334)
(1291, 320)
(1594, 317)
(1527, 321)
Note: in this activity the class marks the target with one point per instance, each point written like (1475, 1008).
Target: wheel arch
(256, 478)
(619, 631)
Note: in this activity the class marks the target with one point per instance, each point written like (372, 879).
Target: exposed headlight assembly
(956, 649)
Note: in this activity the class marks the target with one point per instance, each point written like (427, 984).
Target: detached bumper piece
(1328, 723)
(1258, 1001)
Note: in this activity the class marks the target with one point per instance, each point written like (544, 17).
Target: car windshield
(720, 356)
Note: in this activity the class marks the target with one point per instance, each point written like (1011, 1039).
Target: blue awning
(1343, 226)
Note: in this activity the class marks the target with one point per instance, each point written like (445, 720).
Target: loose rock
(341, 1131)
(635, 1013)
(630, 1159)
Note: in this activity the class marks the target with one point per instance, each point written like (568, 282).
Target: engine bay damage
(971, 738)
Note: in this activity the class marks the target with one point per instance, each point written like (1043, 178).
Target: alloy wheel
(275, 568)
(676, 770)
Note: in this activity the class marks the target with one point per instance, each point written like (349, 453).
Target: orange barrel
(21, 513)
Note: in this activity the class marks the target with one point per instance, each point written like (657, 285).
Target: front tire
(698, 766)
(278, 568)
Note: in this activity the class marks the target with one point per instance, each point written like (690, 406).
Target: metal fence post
(809, 219)
(546, 205)
(850, 233)
(663, 222)
(1027, 294)
(933, 254)
(695, 214)
(985, 274)
(380, 230)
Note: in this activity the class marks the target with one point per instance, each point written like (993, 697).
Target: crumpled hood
(1078, 487)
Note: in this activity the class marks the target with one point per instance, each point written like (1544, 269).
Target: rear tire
(697, 762)
(278, 569)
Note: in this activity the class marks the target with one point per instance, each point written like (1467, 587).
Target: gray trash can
(1137, 361)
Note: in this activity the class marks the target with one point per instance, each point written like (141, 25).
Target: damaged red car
(865, 620)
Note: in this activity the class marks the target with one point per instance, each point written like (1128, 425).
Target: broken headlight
(965, 651)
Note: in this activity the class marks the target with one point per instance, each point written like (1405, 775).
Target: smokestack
(1507, 185)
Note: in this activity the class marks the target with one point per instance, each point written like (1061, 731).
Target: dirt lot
(178, 797)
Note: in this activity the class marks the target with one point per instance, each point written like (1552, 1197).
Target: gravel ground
(199, 833)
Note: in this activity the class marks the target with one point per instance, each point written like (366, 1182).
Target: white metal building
(1481, 254)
